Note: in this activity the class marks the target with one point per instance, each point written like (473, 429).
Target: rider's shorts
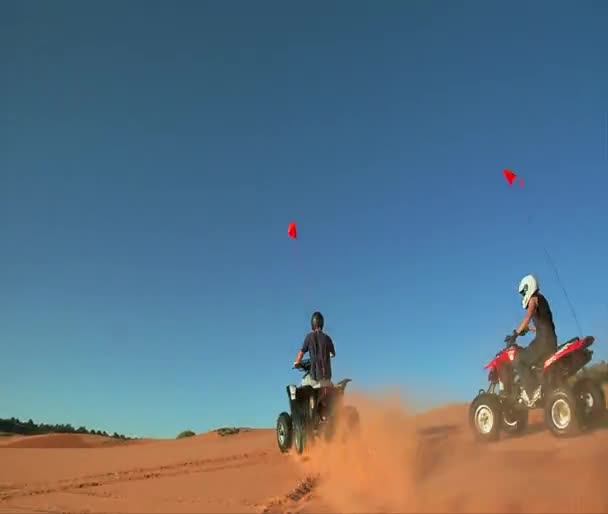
(309, 381)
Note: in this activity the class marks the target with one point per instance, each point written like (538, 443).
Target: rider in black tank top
(543, 319)
(545, 342)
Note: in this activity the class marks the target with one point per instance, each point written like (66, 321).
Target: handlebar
(510, 341)
(304, 365)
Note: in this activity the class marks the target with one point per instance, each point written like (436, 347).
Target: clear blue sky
(153, 154)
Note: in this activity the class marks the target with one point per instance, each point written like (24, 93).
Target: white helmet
(527, 287)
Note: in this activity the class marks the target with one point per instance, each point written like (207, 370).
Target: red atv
(571, 404)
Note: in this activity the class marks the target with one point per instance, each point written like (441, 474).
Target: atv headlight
(292, 392)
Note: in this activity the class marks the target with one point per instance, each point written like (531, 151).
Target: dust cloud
(402, 463)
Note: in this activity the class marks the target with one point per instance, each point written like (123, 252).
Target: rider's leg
(323, 400)
(309, 381)
(522, 364)
(315, 384)
(540, 349)
(536, 351)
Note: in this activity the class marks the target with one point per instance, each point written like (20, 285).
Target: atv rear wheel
(300, 437)
(514, 420)
(350, 417)
(591, 403)
(562, 413)
(284, 432)
(350, 422)
(485, 415)
(345, 424)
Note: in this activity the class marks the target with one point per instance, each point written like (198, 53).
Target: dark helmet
(317, 321)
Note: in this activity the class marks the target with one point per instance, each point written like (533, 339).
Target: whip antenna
(578, 326)
(531, 218)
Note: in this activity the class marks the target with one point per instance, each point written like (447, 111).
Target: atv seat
(567, 342)
(587, 341)
(541, 363)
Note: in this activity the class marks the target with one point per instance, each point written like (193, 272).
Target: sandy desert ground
(400, 463)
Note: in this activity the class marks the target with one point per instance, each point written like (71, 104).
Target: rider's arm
(301, 353)
(299, 359)
(524, 324)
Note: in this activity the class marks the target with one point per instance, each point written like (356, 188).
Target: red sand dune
(63, 441)
(400, 463)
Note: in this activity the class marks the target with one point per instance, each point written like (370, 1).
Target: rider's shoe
(535, 396)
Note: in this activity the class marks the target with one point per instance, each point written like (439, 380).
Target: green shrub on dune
(228, 431)
(185, 433)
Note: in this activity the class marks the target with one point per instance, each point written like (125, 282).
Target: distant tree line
(16, 426)
(597, 372)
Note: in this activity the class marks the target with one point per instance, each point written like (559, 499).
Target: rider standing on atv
(321, 349)
(545, 342)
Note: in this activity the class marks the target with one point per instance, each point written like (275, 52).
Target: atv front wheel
(591, 402)
(284, 432)
(485, 415)
(562, 414)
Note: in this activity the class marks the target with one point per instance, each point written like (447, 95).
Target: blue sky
(153, 154)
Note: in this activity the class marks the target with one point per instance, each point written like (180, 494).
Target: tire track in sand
(163, 471)
(300, 494)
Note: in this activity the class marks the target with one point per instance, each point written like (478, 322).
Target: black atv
(315, 412)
